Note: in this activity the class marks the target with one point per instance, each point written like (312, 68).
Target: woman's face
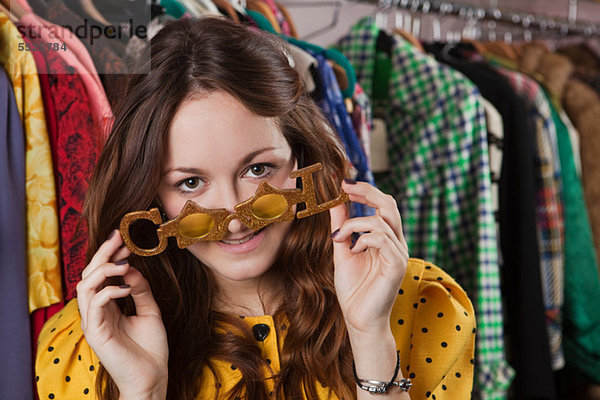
(218, 152)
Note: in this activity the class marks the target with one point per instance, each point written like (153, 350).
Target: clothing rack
(525, 20)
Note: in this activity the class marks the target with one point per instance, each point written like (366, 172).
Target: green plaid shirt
(440, 177)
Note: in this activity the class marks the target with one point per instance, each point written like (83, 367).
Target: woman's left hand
(368, 275)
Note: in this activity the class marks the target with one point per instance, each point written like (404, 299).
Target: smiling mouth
(242, 240)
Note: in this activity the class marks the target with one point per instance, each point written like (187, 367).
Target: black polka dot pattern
(432, 336)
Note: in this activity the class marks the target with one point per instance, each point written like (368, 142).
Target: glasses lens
(194, 226)
(269, 206)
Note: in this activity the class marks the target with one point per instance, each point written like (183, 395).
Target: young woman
(290, 311)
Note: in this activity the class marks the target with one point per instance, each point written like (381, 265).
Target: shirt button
(261, 331)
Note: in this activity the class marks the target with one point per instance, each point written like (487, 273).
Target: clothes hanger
(288, 18)
(340, 75)
(93, 12)
(406, 35)
(331, 54)
(226, 7)
(263, 8)
(239, 6)
(13, 8)
(13, 18)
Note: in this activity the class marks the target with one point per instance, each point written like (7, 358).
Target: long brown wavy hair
(198, 57)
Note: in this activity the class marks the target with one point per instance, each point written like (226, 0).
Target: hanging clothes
(43, 252)
(15, 374)
(75, 149)
(529, 351)
(75, 53)
(362, 120)
(549, 209)
(581, 317)
(437, 145)
(112, 69)
(580, 320)
(582, 105)
(332, 104)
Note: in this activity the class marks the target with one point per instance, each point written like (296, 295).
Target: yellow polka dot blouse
(432, 320)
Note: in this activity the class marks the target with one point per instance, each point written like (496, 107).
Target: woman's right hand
(134, 349)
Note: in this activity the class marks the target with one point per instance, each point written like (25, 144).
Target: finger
(338, 215)
(386, 206)
(88, 287)
(372, 223)
(96, 311)
(382, 243)
(104, 253)
(145, 304)
(121, 254)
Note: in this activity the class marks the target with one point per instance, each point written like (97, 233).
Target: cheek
(171, 204)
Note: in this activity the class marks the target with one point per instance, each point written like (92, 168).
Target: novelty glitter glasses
(196, 224)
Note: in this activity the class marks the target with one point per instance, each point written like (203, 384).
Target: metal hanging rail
(471, 12)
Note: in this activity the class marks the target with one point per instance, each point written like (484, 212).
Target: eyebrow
(196, 171)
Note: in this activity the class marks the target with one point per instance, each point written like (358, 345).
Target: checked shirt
(440, 178)
(550, 223)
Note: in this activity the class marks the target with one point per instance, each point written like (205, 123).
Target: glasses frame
(222, 217)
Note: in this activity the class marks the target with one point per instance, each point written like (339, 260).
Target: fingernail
(121, 262)
(350, 181)
(112, 234)
(124, 286)
(334, 234)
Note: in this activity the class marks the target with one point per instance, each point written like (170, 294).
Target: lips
(241, 240)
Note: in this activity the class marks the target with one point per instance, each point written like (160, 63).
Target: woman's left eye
(259, 170)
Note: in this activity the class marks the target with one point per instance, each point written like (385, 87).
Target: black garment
(525, 325)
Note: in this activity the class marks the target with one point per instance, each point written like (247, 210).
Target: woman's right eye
(189, 184)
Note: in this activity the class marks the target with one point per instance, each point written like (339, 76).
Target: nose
(228, 196)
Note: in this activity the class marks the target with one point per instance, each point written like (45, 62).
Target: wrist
(375, 355)
(158, 392)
